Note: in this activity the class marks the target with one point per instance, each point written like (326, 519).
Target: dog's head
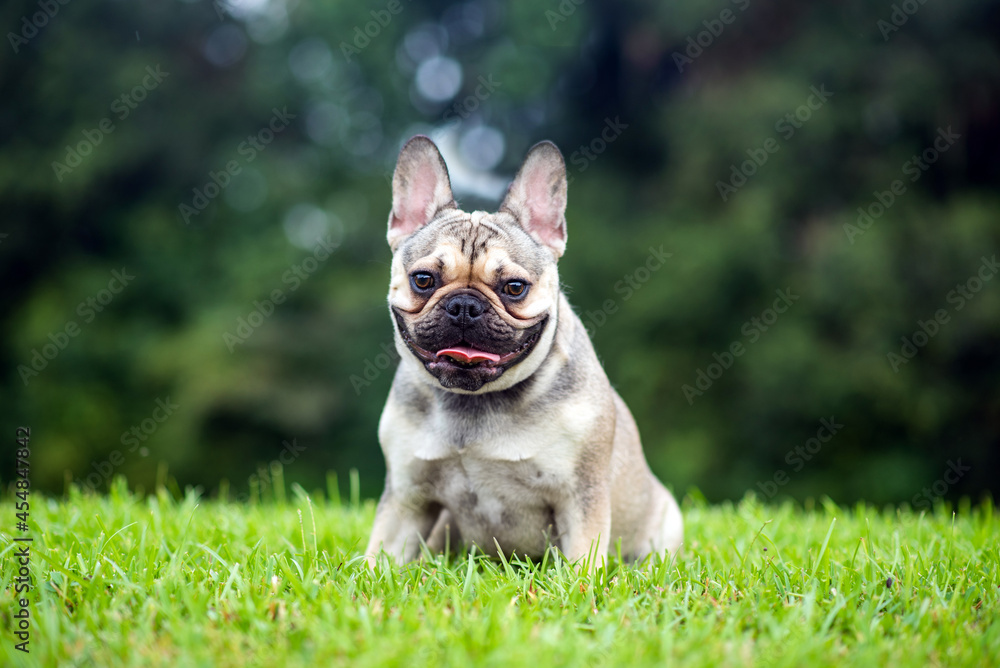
(474, 296)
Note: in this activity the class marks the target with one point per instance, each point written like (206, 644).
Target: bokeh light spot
(439, 78)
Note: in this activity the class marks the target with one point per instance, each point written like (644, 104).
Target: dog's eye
(515, 288)
(422, 281)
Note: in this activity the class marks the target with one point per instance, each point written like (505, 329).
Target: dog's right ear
(420, 188)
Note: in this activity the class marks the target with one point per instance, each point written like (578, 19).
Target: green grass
(124, 580)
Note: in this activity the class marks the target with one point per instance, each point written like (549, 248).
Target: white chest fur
(499, 475)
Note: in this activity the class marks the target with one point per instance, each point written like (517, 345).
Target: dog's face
(474, 296)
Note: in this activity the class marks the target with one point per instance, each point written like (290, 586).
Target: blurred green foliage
(692, 96)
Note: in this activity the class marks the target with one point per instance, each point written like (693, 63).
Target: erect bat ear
(420, 188)
(537, 197)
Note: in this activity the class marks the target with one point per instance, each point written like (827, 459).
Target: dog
(501, 430)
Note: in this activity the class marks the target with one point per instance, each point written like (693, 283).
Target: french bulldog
(501, 429)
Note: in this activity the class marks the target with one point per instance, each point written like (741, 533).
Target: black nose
(464, 307)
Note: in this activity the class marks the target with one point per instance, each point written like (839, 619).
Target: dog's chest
(500, 473)
(510, 501)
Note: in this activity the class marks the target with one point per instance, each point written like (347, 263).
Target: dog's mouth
(464, 359)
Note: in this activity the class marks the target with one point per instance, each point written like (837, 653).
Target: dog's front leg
(584, 525)
(399, 528)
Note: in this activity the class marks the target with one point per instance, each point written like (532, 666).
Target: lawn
(159, 580)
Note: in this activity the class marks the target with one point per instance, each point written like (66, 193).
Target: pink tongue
(463, 354)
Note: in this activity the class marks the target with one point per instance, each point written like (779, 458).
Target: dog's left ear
(537, 197)
(420, 188)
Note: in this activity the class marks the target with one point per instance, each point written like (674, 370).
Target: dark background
(312, 374)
